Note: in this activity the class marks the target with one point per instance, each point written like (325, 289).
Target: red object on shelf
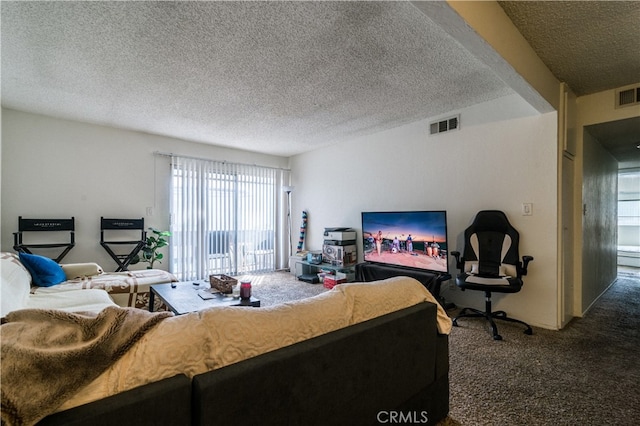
(331, 281)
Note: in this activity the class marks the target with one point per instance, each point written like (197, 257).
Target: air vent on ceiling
(627, 96)
(444, 125)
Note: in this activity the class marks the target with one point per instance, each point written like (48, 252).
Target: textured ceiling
(275, 77)
(590, 45)
(621, 138)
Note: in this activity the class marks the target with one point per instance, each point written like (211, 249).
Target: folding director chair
(44, 225)
(118, 225)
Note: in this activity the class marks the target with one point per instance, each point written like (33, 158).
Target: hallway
(629, 271)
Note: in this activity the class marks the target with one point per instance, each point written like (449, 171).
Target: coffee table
(182, 297)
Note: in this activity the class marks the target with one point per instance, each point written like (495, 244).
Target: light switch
(527, 209)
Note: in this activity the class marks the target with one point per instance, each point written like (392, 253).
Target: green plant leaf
(149, 252)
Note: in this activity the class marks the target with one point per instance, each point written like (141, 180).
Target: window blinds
(226, 218)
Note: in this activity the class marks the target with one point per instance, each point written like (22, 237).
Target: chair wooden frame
(44, 225)
(123, 260)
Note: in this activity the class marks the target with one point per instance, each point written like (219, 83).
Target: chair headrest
(492, 221)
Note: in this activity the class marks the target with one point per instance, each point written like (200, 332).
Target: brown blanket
(47, 356)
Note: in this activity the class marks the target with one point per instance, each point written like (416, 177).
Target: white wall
(54, 168)
(501, 157)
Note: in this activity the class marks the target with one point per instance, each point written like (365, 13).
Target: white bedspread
(201, 341)
(129, 288)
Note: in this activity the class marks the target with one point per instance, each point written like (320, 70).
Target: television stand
(309, 271)
(431, 280)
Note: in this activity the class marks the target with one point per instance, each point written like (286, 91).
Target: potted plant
(149, 252)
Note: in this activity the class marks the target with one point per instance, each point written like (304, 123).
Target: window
(629, 218)
(225, 218)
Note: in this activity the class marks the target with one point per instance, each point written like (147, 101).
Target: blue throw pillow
(44, 271)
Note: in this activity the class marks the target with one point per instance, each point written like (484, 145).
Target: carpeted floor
(586, 374)
(280, 287)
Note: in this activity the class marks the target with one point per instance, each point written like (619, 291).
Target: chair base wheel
(490, 317)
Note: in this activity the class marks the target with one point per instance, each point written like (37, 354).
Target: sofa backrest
(213, 338)
(347, 376)
(167, 402)
(15, 283)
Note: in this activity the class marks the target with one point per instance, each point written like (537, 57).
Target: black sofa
(393, 367)
(368, 271)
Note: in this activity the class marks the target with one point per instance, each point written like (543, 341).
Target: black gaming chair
(491, 263)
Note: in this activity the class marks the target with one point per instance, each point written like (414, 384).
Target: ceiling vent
(627, 96)
(445, 125)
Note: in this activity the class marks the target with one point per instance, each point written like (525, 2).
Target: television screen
(412, 239)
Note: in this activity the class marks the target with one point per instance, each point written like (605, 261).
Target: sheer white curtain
(226, 218)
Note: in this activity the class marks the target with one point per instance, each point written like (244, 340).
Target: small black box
(309, 278)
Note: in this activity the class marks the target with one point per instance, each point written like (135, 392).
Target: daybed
(126, 289)
(362, 353)
(16, 292)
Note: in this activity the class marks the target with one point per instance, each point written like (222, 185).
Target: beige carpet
(280, 287)
(585, 374)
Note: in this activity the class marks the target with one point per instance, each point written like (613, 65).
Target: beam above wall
(486, 32)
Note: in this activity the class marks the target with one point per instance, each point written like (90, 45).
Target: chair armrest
(459, 260)
(525, 263)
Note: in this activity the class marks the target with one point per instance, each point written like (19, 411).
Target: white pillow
(15, 284)
(80, 270)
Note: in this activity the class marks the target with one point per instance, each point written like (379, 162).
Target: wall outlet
(527, 209)
(149, 211)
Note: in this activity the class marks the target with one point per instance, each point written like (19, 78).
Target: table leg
(151, 300)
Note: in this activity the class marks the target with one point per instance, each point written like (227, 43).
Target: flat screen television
(410, 239)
